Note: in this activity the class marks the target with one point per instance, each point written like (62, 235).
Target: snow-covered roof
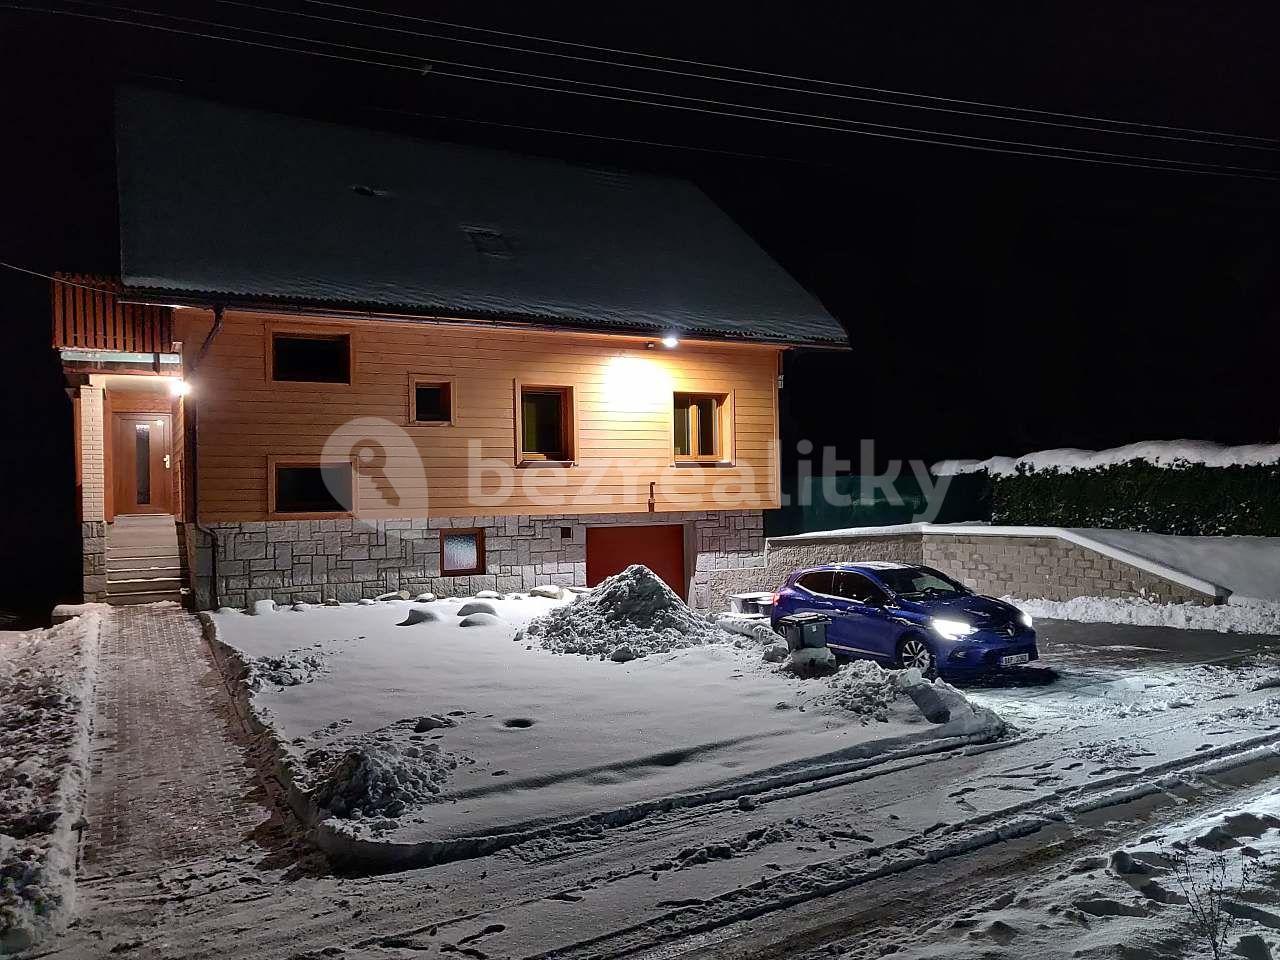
(1161, 453)
(268, 209)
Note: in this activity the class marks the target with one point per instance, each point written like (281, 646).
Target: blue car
(909, 616)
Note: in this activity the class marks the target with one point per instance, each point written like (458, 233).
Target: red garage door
(659, 547)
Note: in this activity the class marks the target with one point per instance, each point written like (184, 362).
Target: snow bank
(1237, 617)
(634, 610)
(46, 710)
(1161, 453)
(383, 779)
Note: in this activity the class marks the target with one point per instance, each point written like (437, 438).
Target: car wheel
(914, 652)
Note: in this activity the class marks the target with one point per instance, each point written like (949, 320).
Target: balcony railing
(88, 315)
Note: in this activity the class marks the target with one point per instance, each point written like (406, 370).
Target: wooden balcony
(88, 315)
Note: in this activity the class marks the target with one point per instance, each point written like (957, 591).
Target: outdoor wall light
(671, 341)
(179, 388)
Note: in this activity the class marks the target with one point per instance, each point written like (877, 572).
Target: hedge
(1189, 499)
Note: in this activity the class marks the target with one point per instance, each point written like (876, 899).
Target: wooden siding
(622, 393)
(93, 319)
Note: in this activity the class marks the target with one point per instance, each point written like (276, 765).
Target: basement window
(310, 358)
(462, 552)
(313, 489)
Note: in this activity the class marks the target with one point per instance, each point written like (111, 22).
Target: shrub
(1188, 499)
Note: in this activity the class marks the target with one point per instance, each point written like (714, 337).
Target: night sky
(996, 303)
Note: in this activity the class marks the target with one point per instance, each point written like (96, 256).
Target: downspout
(195, 459)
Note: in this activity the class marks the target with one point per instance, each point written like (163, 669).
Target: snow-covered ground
(1260, 617)
(1200, 887)
(415, 730)
(1118, 734)
(1161, 453)
(46, 712)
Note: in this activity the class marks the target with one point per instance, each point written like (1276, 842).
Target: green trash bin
(802, 630)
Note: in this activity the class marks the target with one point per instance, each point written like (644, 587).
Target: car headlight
(1026, 619)
(952, 629)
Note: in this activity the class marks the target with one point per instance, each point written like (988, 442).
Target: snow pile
(380, 779)
(46, 690)
(287, 670)
(864, 689)
(1242, 617)
(1161, 453)
(942, 703)
(631, 614)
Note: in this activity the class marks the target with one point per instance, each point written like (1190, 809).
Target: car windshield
(920, 582)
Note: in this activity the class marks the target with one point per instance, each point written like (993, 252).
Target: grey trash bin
(804, 630)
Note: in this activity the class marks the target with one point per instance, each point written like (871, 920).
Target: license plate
(1009, 661)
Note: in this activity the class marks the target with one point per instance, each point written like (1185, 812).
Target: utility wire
(62, 280)
(749, 83)
(774, 112)
(427, 67)
(792, 77)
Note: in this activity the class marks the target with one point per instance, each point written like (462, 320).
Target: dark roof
(256, 207)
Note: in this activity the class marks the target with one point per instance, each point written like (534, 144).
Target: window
(461, 552)
(311, 358)
(817, 582)
(430, 401)
(921, 582)
(545, 425)
(854, 586)
(700, 427)
(312, 488)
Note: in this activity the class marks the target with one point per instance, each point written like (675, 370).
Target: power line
(1037, 150)
(970, 139)
(793, 77)
(62, 280)
(749, 83)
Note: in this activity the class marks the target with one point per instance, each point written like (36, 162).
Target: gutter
(387, 313)
(195, 458)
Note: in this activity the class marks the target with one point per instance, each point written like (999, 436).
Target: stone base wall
(1047, 568)
(93, 540)
(311, 560)
(1026, 567)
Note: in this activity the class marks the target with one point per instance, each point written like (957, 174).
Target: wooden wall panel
(622, 394)
(86, 314)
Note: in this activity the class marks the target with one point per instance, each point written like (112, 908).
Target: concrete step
(169, 571)
(144, 584)
(127, 599)
(133, 551)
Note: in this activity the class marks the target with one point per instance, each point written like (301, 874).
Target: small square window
(700, 427)
(461, 552)
(546, 424)
(313, 488)
(432, 402)
(310, 358)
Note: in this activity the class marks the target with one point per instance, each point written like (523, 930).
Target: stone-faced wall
(347, 559)
(768, 572)
(1046, 568)
(93, 539)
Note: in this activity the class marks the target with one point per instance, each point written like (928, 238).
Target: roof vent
(489, 243)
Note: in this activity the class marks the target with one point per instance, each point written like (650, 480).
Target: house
(338, 363)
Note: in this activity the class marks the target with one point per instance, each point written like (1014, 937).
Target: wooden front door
(660, 547)
(141, 462)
